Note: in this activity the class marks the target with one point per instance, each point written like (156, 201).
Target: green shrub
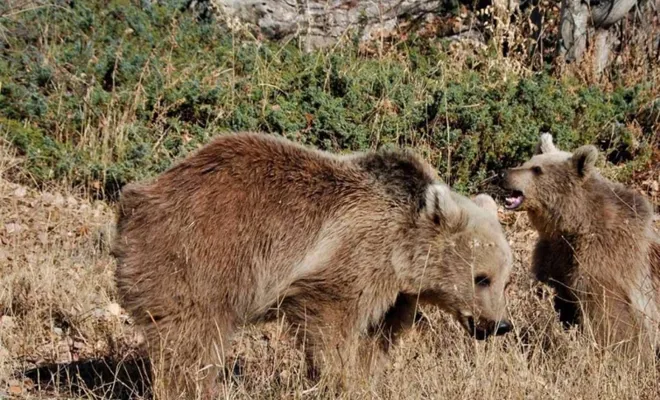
(115, 92)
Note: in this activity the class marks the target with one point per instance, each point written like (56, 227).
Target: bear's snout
(503, 327)
(483, 330)
(506, 180)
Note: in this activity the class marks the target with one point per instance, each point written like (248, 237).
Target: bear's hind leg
(187, 356)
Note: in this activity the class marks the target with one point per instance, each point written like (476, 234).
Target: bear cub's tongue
(513, 202)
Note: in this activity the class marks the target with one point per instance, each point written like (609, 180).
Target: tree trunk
(577, 17)
(602, 50)
(573, 25)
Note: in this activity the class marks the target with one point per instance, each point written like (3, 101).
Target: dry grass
(62, 335)
(58, 312)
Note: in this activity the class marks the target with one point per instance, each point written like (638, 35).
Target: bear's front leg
(398, 319)
(553, 264)
(358, 358)
(330, 338)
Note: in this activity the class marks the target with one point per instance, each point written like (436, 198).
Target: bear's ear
(584, 160)
(487, 203)
(545, 145)
(439, 207)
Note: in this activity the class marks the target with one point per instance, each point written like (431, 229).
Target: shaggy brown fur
(594, 247)
(253, 227)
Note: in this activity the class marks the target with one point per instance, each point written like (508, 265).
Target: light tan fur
(595, 246)
(253, 227)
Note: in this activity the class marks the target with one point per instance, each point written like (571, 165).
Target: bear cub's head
(549, 179)
(466, 265)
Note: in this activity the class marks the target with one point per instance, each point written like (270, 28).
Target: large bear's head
(462, 262)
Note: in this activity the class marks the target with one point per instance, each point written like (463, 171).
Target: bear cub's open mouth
(514, 201)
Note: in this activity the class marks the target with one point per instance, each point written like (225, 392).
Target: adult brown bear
(252, 227)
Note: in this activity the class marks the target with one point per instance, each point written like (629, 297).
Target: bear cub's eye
(482, 280)
(537, 170)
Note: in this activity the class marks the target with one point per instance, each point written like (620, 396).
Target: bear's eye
(537, 170)
(482, 280)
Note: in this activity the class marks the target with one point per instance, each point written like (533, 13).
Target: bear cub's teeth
(514, 202)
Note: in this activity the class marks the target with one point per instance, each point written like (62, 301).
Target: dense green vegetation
(100, 93)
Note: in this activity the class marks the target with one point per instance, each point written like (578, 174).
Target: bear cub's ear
(584, 160)
(487, 203)
(439, 206)
(545, 145)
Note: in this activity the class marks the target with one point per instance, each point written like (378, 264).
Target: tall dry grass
(59, 315)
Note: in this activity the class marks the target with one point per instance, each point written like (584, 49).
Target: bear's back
(620, 207)
(249, 170)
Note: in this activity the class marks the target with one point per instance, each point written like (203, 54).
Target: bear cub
(596, 246)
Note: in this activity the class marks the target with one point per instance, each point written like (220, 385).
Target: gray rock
(7, 322)
(322, 22)
(13, 228)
